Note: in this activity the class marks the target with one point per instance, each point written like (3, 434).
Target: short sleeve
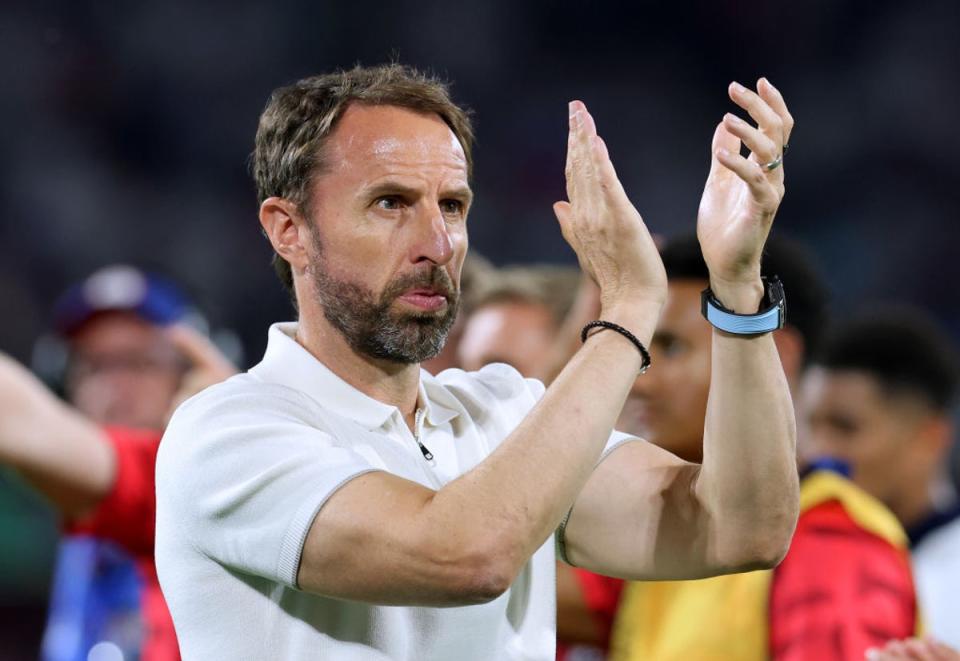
(127, 514)
(243, 472)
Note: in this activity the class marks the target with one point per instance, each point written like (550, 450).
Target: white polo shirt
(244, 468)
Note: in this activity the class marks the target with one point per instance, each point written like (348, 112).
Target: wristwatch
(771, 317)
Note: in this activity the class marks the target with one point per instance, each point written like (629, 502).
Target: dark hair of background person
(804, 289)
(902, 348)
(298, 119)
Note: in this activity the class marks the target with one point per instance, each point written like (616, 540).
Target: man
(129, 362)
(845, 585)
(516, 318)
(338, 502)
(892, 421)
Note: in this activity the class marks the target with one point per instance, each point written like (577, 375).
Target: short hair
(552, 286)
(300, 117)
(805, 290)
(902, 347)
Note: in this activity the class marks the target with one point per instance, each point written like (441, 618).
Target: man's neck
(385, 381)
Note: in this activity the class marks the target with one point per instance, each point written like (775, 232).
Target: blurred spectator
(844, 586)
(126, 368)
(516, 315)
(881, 399)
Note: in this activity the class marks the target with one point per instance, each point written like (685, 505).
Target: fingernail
(571, 108)
(738, 88)
(734, 119)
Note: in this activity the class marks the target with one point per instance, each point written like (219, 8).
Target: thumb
(722, 139)
(564, 213)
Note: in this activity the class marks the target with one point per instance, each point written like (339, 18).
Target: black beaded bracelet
(599, 323)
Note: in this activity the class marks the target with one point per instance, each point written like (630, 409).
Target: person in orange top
(845, 584)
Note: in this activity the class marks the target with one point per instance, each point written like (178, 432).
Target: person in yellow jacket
(844, 587)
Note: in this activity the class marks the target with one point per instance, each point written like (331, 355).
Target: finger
(917, 650)
(571, 148)
(751, 174)
(607, 174)
(761, 146)
(767, 120)
(774, 99)
(941, 651)
(198, 349)
(578, 151)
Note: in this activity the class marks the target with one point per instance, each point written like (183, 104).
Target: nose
(433, 242)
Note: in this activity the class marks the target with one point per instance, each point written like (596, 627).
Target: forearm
(59, 452)
(522, 491)
(748, 484)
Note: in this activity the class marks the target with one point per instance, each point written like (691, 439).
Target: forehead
(842, 388)
(110, 330)
(382, 140)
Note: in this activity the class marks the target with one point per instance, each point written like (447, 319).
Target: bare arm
(63, 455)
(466, 542)
(646, 514)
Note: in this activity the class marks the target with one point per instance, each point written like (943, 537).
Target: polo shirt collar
(288, 363)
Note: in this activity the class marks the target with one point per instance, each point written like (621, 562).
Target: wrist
(639, 317)
(741, 297)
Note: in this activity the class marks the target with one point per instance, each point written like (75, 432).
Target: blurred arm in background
(60, 452)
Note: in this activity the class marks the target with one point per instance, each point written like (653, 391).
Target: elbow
(485, 584)
(484, 573)
(766, 545)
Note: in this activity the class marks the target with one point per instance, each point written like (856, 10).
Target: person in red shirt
(130, 363)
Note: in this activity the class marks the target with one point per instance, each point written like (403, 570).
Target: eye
(388, 203)
(451, 206)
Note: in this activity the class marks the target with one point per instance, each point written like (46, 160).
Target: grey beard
(372, 329)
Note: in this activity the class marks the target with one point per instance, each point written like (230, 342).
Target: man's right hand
(608, 235)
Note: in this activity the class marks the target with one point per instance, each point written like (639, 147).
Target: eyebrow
(396, 188)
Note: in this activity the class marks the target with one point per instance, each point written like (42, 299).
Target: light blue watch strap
(742, 324)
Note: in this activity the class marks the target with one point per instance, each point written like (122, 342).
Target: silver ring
(774, 164)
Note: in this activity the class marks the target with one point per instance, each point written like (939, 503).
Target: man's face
(850, 417)
(518, 333)
(667, 405)
(123, 371)
(388, 224)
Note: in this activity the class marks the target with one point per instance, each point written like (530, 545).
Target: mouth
(424, 298)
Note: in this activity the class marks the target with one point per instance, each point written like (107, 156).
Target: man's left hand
(742, 194)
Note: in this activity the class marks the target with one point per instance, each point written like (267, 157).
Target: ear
(936, 436)
(791, 348)
(283, 224)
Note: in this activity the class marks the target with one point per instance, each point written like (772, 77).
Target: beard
(369, 324)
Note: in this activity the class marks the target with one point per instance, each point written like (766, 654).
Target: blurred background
(127, 130)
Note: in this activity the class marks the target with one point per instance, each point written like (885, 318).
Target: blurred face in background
(388, 223)
(667, 405)
(519, 333)
(123, 371)
(893, 442)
